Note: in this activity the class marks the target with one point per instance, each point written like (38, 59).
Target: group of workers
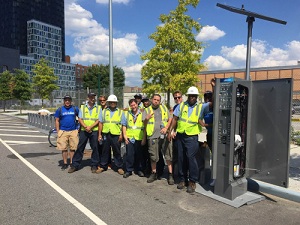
(152, 135)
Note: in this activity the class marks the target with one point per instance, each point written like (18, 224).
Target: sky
(223, 33)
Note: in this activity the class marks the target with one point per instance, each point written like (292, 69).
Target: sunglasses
(179, 97)
(102, 100)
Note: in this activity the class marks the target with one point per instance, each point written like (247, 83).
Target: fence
(45, 122)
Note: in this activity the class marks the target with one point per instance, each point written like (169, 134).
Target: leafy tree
(22, 87)
(6, 87)
(174, 62)
(90, 78)
(44, 81)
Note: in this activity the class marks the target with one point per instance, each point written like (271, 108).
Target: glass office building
(44, 41)
(14, 15)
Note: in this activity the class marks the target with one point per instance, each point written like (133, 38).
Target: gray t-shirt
(157, 119)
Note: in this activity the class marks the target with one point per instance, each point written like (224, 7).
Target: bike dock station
(251, 138)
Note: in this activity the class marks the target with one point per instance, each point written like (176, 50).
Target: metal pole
(111, 76)
(250, 21)
(98, 85)
(255, 185)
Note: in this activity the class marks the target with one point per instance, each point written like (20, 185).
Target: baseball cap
(91, 94)
(145, 98)
(138, 96)
(67, 97)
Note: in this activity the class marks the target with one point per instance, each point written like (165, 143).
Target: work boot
(140, 174)
(121, 171)
(64, 167)
(181, 185)
(191, 188)
(72, 169)
(127, 174)
(170, 179)
(94, 169)
(99, 170)
(152, 177)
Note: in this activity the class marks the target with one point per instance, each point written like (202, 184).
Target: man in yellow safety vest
(187, 119)
(157, 120)
(88, 119)
(110, 134)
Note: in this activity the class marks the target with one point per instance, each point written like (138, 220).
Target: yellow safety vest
(151, 122)
(189, 124)
(112, 125)
(134, 129)
(90, 119)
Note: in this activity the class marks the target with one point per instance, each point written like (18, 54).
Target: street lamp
(111, 76)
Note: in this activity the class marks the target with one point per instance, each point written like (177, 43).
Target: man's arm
(172, 126)
(100, 128)
(124, 128)
(57, 124)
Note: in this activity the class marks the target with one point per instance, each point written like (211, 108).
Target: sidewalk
(294, 173)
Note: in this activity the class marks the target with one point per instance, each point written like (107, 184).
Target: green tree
(22, 87)
(44, 81)
(6, 87)
(90, 78)
(174, 62)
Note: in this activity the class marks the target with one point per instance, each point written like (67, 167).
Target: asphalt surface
(35, 191)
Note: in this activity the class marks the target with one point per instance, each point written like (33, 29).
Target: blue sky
(223, 33)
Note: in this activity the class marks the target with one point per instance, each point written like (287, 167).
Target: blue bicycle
(52, 137)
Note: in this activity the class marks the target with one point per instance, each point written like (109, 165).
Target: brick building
(263, 73)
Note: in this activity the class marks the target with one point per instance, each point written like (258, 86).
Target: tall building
(14, 15)
(36, 29)
(44, 42)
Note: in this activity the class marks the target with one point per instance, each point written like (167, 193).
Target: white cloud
(262, 55)
(294, 49)
(209, 33)
(133, 75)
(91, 40)
(79, 22)
(95, 49)
(113, 1)
(216, 62)
(236, 53)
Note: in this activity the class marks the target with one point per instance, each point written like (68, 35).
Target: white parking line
(72, 200)
(11, 124)
(27, 131)
(24, 142)
(23, 135)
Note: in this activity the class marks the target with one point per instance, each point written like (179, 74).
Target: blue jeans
(83, 138)
(111, 141)
(134, 156)
(187, 146)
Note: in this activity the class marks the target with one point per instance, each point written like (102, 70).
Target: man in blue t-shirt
(67, 133)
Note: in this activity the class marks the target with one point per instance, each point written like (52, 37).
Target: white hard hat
(192, 91)
(112, 98)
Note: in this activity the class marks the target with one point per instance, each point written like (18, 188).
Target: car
(296, 106)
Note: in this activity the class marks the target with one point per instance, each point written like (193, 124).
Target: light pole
(111, 76)
(250, 19)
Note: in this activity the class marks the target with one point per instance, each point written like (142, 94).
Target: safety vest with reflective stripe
(151, 122)
(189, 124)
(134, 129)
(90, 119)
(112, 124)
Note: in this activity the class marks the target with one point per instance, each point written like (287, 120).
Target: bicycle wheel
(52, 137)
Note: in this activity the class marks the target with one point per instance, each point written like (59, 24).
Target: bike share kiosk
(251, 136)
